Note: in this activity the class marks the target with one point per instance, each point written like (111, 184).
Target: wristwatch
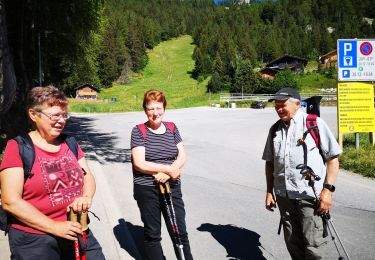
(329, 187)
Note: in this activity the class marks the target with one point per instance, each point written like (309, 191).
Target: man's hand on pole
(270, 201)
(325, 201)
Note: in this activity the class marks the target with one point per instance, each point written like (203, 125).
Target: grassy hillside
(169, 67)
(312, 82)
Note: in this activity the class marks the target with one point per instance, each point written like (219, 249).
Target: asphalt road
(223, 187)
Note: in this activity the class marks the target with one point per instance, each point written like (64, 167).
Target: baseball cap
(286, 93)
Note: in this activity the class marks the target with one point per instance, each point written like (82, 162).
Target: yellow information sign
(355, 102)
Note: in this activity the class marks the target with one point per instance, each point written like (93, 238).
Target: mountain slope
(169, 67)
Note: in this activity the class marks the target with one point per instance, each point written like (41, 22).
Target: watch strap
(329, 187)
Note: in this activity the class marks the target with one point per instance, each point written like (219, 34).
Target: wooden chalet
(294, 63)
(328, 60)
(87, 91)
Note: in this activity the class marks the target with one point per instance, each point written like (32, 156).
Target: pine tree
(245, 80)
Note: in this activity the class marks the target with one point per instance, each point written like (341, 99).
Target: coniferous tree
(245, 80)
(216, 83)
(113, 55)
(65, 35)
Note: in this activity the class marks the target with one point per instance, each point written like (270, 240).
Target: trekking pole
(84, 223)
(74, 217)
(172, 218)
(80, 244)
(327, 221)
(327, 217)
(311, 177)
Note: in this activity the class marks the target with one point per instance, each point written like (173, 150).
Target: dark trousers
(28, 246)
(151, 204)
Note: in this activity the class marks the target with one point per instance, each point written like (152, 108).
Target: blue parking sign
(356, 59)
(347, 54)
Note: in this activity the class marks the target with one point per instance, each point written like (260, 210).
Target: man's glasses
(56, 117)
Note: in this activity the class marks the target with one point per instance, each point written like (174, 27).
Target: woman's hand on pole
(66, 229)
(80, 204)
(161, 177)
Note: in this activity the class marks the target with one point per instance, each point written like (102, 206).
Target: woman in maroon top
(61, 182)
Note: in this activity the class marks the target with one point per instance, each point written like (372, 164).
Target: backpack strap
(273, 132)
(142, 128)
(312, 126)
(171, 126)
(27, 153)
(71, 142)
(274, 128)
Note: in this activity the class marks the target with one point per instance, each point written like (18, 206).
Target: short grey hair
(294, 100)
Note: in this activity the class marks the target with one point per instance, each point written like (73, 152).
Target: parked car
(258, 104)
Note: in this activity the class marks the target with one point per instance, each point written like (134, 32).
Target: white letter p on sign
(347, 48)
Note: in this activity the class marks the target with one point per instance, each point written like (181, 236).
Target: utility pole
(39, 60)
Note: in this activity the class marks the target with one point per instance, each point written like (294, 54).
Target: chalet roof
(286, 56)
(88, 85)
(331, 53)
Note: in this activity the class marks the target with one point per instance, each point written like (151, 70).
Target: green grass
(311, 66)
(169, 68)
(312, 82)
(360, 160)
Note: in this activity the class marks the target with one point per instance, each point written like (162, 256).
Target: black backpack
(27, 153)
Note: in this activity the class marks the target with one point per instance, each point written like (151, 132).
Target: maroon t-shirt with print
(57, 181)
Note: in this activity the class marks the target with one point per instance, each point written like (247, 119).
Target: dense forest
(235, 39)
(44, 42)
(68, 43)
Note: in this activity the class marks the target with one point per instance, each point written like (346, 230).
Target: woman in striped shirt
(158, 156)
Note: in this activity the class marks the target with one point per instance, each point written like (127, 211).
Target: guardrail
(233, 97)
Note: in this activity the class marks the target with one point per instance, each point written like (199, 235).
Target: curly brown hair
(48, 95)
